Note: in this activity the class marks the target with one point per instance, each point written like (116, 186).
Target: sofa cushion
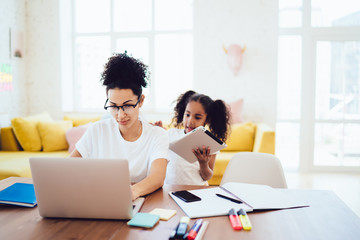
(8, 140)
(77, 121)
(235, 109)
(241, 137)
(26, 131)
(74, 134)
(52, 135)
(16, 164)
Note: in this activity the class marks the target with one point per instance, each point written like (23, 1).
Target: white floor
(345, 185)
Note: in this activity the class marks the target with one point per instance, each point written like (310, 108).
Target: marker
(228, 198)
(173, 233)
(202, 230)
(234, 220)
(195, 229)
(182, 227)
(244, 218)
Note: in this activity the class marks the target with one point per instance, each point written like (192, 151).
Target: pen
(194, 229)
(228, 198)
(244, 218)
(234, 220)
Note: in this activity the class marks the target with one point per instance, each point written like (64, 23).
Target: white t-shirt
(180, 171)
(104, 140)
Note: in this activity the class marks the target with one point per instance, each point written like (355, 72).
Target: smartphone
(186, 196)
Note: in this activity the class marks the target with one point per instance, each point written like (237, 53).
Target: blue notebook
(20, 194)
(146, 220)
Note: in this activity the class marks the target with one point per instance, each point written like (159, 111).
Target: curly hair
(125, 72)
(218, 115)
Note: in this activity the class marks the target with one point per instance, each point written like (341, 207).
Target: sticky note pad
(146, 220)
(165, 214)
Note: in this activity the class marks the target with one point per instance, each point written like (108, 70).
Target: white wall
(13, 103)
(253, 23)
(43, 58)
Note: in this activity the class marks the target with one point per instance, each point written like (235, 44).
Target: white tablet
(196, 139)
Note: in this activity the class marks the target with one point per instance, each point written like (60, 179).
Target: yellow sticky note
(165, 214)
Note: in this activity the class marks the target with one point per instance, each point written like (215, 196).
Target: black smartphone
(186, 196)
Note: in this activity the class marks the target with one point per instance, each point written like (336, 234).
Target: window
(159, 32)
(318, 124)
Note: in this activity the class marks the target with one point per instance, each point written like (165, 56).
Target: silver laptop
(83, 188)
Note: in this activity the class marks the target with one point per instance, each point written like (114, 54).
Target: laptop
(83, 188)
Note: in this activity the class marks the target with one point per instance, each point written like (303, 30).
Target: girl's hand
(203, 155)
(157, 123)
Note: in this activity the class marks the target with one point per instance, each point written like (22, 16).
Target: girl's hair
(125, 72)
(218, 116)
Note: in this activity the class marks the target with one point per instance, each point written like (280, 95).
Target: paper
(262, 197)
(210, 204)
(253, 196)
(165, 214)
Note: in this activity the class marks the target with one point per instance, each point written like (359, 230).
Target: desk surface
(326, 218)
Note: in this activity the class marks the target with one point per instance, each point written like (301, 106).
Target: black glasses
(127, 108)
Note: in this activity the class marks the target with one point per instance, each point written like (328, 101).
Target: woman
(125, 135)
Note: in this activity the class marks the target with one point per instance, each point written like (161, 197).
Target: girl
(125, 135)
(191, 111)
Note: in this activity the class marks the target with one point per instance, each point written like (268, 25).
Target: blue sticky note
(146, 220)
(20, 194)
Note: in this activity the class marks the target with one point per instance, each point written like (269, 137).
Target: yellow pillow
(26, 131)
(77, 121)
(241, 137)
(52, 135)
(8, 140)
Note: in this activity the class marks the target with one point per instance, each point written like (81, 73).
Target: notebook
(20, 194)
(83, 188)
(253, 197)
(198, 137)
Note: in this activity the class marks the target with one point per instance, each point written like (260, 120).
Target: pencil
(202, 230)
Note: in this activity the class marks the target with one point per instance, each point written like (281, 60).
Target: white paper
(262, 197)
(253, 196)
(210, 204)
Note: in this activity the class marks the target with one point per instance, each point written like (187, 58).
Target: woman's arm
(153, 181)
(206, 162)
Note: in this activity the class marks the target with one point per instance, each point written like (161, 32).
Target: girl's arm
(206, 162)
(153, 181)
(75, 153)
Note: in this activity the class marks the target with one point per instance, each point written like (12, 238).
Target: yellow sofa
(244, 137)
(14, 161)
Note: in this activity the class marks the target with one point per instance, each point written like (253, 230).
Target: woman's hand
(135, 194)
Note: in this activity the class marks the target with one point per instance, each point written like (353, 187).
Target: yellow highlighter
(244, 219)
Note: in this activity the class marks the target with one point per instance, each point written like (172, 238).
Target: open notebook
(253, 197)
(83, 188)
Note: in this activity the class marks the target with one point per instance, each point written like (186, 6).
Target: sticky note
(165, 214)
(146, 220)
